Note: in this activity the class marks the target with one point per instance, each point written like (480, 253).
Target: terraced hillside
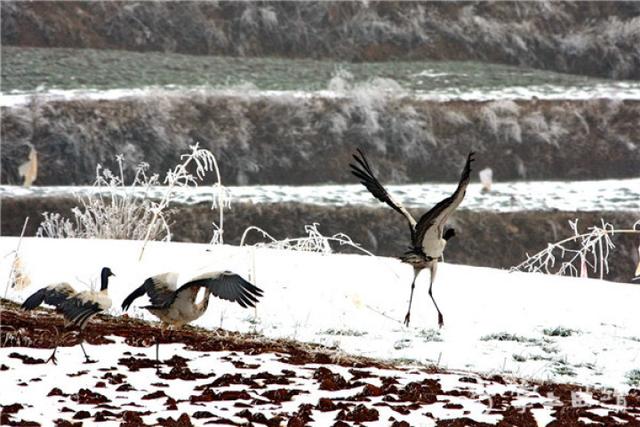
(590, 38)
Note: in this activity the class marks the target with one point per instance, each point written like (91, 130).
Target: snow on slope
(495, 321)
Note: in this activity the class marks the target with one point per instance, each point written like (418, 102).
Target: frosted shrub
(118, 211)
(180, 177)
(576, 255)
(313, 242)
(341, 81)
(490, 119)
(501, 119)
(111, 212)
(456, 118)
(505, 107)
(537, 126)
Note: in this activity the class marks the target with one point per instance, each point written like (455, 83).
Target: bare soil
(33, 329)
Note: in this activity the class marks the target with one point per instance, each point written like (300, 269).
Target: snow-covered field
(613, 195)
(527, 326)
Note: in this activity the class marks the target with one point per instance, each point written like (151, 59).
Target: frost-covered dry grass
(277, 138)
(593, 38)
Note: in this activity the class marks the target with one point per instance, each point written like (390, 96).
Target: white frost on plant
(576, 255)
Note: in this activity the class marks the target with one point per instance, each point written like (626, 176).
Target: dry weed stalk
(313, 242)
(592, 252)
(180, 177)
(15, 263)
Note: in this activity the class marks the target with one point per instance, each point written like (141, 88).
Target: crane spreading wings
(430, 226)
(76, 307)
(226, 285)
(363, 171)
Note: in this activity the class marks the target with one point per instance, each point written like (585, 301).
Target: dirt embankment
(592, 38)
(499, 240)
(290, 140)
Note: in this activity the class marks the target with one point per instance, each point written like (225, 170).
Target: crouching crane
(176, 307)
(428, 235)
(76, 307)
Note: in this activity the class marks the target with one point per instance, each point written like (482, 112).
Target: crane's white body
(433, 244)
(184, 309)
(98, 297)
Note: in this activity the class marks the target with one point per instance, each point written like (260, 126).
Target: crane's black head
(104, 278)
(448, 234)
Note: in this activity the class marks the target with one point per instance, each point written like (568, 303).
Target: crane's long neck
(104, 281)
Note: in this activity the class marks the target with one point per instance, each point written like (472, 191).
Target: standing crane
(76, 307)
(176, 307)
(428, 235)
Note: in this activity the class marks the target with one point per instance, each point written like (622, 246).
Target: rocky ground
(217, 377)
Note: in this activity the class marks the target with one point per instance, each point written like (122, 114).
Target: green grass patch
(430, 335)
(343, 332)
(560, 331)
(633, 377)
(506, 336)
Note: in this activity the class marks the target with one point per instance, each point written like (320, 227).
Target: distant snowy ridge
(613, 90)
(585, 196)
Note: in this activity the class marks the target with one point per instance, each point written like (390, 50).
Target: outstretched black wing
(53, 295)
(227, 286)
(363, 171)
(431, 224)
(160, 288)
(77, 311)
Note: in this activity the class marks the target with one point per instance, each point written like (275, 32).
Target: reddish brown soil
(40, 327)
(19, 327)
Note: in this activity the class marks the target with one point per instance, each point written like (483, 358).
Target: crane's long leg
(407, 318)
(86, 356)
(52, 358)
(434, 268)
(163, 328)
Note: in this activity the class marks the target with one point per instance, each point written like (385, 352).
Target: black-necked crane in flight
(177, 306)
(76, 307)
(428, 235)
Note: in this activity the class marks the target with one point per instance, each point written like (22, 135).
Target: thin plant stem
(15, 257)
